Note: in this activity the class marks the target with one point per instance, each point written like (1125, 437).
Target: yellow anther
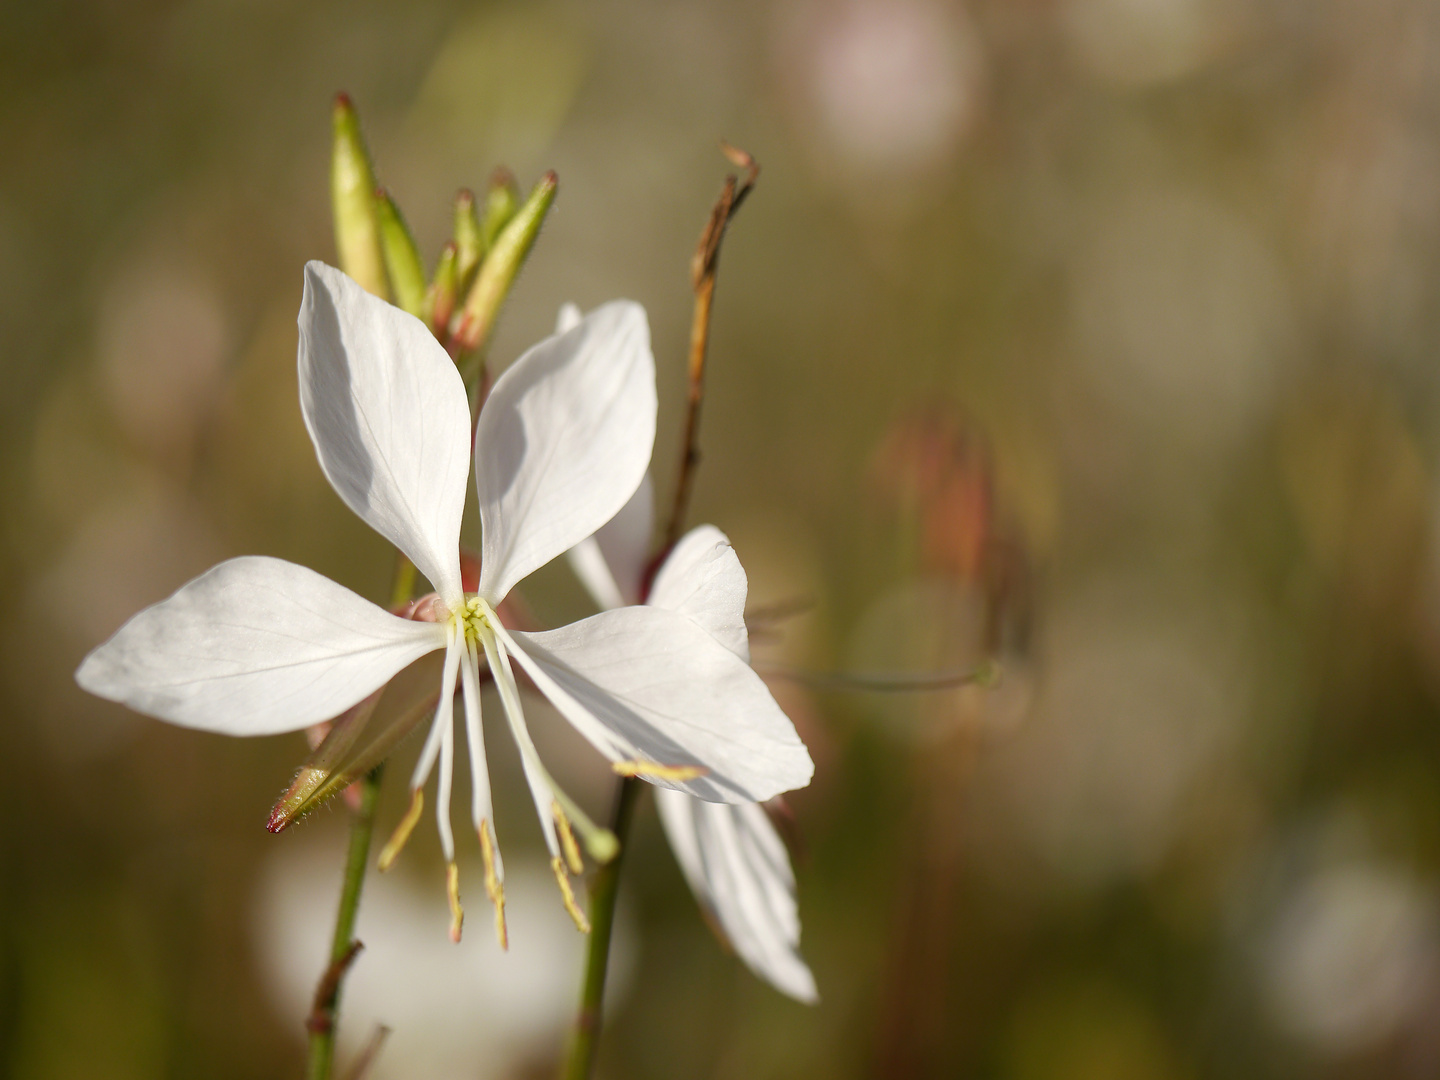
(402, 832)
(581, 923)
(493, 886)
(452, 893)
(567, 839)
(677, 773)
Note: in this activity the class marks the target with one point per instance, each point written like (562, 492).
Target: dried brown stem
(321, 1020)
(703, 269)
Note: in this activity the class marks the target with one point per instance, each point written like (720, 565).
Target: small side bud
(502, 200)
(320, 775)
(352, 199)
(402, 258)
(502, 263)
(440, 297)
(469, 240)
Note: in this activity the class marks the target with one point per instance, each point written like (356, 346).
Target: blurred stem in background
(482, 260)
(584, 1041)
(942, 469)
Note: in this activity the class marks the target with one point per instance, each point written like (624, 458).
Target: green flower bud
(353, 746)
(440, 298)
(497, 272)
(469, 241)
(502, 200)
(352, 198)
(402, 259)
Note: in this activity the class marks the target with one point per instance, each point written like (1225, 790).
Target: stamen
(567, 839)
(452, 893)
(677, 773)
(581, 923)
(391, 851)
(493, 887)
(600, 843)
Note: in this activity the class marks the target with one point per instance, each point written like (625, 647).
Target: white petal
(738, 868)
(563, 442)
(387, 412)
(253, 647)
(702, 578)
(647, 684)
(446, 778)
(481, 807)
(611, 564)
(568, 318)
(444, 710)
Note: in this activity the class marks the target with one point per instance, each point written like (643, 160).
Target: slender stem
(703, 269)
(605, 885)
(343, 946)
(690, 448)
(604, 888)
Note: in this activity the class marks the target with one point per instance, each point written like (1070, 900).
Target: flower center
(476, 620)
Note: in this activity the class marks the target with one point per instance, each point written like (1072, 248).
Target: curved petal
(568, 318)
(703, 578)
(611, 564)
(563, 442)
(739, 871)
(386, 410)
(253, 647)
(644, 684)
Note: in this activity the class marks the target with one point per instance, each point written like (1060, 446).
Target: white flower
(731, 855)
(257, 645)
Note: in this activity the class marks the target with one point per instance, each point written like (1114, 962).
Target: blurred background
(1095, 336)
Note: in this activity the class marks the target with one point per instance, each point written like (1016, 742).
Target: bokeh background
(1095, 336)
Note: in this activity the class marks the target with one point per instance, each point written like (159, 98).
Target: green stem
(344, 946)
(604, 887)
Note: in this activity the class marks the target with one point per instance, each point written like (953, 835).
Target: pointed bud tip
(464, 198)
(279, 819)
(502, 178)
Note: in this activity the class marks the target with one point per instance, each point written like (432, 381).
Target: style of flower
(731, 855)
(258, 646)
